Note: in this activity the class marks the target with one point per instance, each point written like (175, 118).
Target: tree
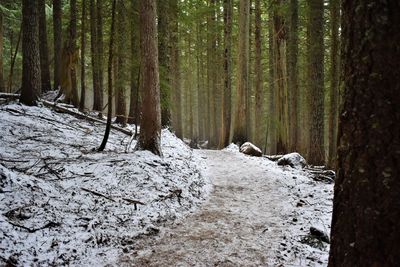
(97, 90)
(334, 82)
(258, 75)
(110, 79)
(57, 31)
(240, 126)
(293, 70)
(83, 61)
(2, 84)
(316, 81)
(100, 49)
(366, 210)
(31, 79)
(226, 121)
(150, 130)
(44, 53)
(120, 69)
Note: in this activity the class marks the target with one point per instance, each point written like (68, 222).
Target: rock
(294, 160)
(250, 149)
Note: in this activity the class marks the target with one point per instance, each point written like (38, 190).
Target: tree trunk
(271, 127)
(240, 127)
(366, 205)
(44, 52)
(258, 73)
(176, 83)
(293, 71)
(227, 95)
(110, 80)
(97, 93)
(2, 84)
(31, 79)
(74, 50)
(83, 62)
(120, 71)
(150, 131)
(316, 81)
(134, 69)
(57, 30)
(100, 49)
(164, 60)
(334, 82)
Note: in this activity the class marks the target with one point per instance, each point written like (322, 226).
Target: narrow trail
(239, 225)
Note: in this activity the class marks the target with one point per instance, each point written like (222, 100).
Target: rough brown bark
(334, 82)
(150, 130)
(31, 79)
(44, 52)
(110, 79)
(293, 71)
(240, 126)
(74, 49)
(316, 82)
(83, 48)
(258, 73)
(100, 47)
(366, 211)
(97, 92)
(57, 31)
(134, 80)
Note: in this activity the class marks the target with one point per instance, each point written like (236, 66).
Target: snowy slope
(63, 203)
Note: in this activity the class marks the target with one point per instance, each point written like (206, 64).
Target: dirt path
(239, 225)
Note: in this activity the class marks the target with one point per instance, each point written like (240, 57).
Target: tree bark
(150, 131)
(110, 80)
(240, 126)
(316, 81)
(366, 205)
(120, 71)
(44, 52)
(97, 92)
(258, 73)
(293, 71)
(2, 84)
(83, 62)
(57, 31)
(100, 47)
(31, 79)
(334, 82)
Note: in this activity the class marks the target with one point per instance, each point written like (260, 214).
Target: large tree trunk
(100, 48)
(74, 50)
(293, 71)
(120, 70)
(316, 81)
(31, 79)
(2, 84)
(240, 127)
(227, 94)
(97, 92)
(44, 53)
(83, 48)
(258, 72)
(334, 82)
(150, 130)
(271, 127)
(164, 59)
(366, 213)
(57, 31)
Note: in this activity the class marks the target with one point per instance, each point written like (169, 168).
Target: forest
(309, 90)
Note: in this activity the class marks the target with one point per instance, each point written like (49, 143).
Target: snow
(294, 160)
(51, 177)
(259, 214)
(63, 203)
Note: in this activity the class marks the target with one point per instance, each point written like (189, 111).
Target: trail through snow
(250, 219)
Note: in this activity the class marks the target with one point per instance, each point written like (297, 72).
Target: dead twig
(47, 225)
(97, 194)
(134, 202)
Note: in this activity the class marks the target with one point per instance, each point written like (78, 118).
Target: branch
(97, 194)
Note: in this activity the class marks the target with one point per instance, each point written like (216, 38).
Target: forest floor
(64, 203)
(259, 214)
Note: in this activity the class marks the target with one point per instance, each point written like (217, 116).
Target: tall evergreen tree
(57, 32)
(44, 53)
(2, 83)
(150, 130)
(366, 204)
(31, 78)
(259, 119)
(83, 61)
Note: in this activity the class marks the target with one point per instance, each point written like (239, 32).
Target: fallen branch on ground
(133, 201)
(97, 194)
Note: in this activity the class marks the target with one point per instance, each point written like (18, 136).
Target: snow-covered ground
(63, 203)
(259, 214)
